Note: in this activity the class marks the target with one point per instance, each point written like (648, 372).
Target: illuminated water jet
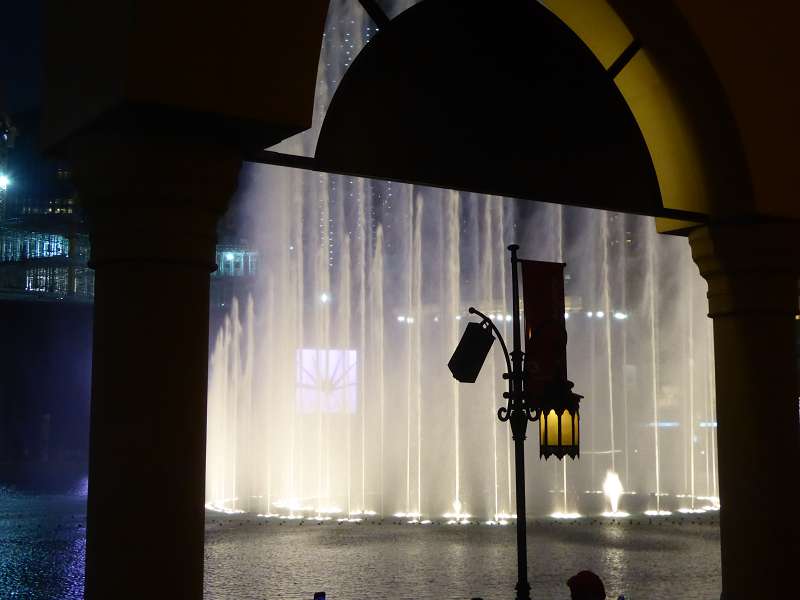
(612, 488)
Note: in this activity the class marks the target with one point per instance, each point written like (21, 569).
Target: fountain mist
(328, 390)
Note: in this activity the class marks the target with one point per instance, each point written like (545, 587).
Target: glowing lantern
(559, 421)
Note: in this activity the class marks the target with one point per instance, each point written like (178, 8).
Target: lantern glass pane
(542, 436)
(552, 428)
(566, 428)
(577, 428)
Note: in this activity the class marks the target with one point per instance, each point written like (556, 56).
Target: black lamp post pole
(519, 413)
(519, 425)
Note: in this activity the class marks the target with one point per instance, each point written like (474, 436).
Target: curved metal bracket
(475, 311)
(504, 412)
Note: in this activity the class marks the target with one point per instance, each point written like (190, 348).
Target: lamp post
(554, 404)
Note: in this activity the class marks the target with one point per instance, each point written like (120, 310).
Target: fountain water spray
(341, 258)
(612, 488)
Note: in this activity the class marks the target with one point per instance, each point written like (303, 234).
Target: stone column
(752, 274)
(153, 205)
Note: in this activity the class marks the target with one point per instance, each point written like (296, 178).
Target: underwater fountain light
(562, 516)
(612, 488)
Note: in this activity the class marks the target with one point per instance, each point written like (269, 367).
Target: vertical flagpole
(519, 424)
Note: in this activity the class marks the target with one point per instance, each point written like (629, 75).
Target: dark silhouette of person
(586, 586)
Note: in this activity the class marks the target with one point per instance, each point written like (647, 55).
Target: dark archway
(502, 99)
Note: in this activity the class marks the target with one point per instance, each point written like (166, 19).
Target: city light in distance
(229, 256)
(600, 314)
(324, 297)
(620, 315)
(5, 181)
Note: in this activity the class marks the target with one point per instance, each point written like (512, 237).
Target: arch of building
(147, 109)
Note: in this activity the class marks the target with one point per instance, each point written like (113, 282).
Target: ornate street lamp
(538, 388)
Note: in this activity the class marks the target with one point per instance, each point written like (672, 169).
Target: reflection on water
(249, 558)
(43, 548)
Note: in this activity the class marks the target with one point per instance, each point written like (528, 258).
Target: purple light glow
(327, 381)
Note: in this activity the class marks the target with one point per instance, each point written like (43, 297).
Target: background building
(46, 306)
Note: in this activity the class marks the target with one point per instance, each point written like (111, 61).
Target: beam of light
(615, 514)
(504, 516)
(692, 511)
(600, 314)
(565, 515)
(457, 516)
(612, 488)
(620, 316)
(292, 505)
(219, 507)
(714, 500)
(657, 513)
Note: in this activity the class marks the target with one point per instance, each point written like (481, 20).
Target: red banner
(545, 326)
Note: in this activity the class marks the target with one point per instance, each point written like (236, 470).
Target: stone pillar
(153, 206)
(752, 274)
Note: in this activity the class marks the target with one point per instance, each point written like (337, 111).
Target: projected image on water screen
(327, 381)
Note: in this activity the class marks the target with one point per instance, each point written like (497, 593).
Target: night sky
(20, 55)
